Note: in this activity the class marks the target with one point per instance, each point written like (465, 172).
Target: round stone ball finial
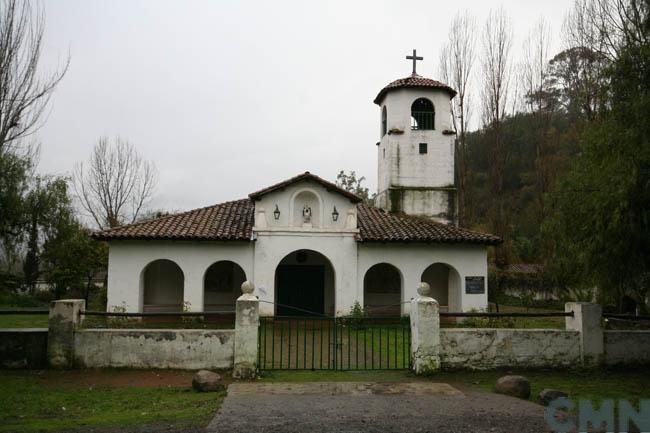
(247, 288)
(424, 289)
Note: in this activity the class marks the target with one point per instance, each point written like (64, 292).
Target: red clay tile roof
(233, 221)
(377, 225)
(305, 176)
(413, 81)
(230, 221)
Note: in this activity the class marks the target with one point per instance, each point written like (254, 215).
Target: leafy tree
(71, 258)
(350, 182)
(576, 82)
(46, 204)
(601, 220)
(14, 171)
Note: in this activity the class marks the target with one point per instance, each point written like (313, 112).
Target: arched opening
(422, 115)
(304, 285)
(382, 290)
(445, 285)
(384, 121)
(162, 285)
(222, 286)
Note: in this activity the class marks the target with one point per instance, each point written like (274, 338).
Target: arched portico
(222, 286)
(445, 285)
(162, 284)
(382, 290)
(304, 284)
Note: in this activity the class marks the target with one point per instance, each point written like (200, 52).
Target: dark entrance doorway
(301, 290)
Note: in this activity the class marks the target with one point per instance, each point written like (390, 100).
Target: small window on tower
(423, 148)
(384, 153)
(384, 120)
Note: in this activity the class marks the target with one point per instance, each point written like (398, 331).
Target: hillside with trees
(560, 165)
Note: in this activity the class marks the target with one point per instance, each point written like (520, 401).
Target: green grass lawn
(33, 401)
(30, 404)
(23, 321)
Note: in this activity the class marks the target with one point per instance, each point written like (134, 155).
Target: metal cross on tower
(415, 58)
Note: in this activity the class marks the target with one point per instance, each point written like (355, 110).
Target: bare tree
(534, 73)
(535, 65)
(496, 65)
(23, 94)
(456, 63)
(497, 69)
(604, 26)
(116, 184)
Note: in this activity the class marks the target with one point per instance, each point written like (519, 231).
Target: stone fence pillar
(425, 332)
(246, 329)
(64, 318)
(587, 319)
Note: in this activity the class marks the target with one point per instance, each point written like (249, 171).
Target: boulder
(547, 395)
(515, 386)
(207, 381)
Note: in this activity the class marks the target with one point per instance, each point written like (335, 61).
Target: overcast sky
(227, 97)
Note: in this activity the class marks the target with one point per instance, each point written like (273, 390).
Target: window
(423, 148)
(422, 115)
(384, 153)
(384, 125)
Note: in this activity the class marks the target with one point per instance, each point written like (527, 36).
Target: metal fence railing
(507, 314)
(157, 313)
(632, 317)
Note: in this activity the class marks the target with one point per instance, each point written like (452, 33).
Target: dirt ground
(372, 408)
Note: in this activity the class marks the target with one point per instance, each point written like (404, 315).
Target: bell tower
(416, 148)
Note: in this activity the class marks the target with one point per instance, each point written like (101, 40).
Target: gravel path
(371, 407)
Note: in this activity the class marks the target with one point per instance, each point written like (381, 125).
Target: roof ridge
(304, 176)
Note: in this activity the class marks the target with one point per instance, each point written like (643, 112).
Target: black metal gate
(328, 343)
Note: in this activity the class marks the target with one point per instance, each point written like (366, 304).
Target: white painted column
(246, 328)
(587, 319)
(345, 270)
(193, 289)
(63, 320)
(425, 332)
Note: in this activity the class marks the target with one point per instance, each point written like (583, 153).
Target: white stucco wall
(339, 249)
(335, 240)
(127, 259)
(627, 347)
(483, 349)
(410, 182)
(413, 259)
(409, 167)
(189, 349)
(290, 202)
(275, 239)
(259, 260)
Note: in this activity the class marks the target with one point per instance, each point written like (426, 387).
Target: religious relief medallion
(306, 214)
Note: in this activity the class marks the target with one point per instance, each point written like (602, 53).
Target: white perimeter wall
(483, 349)
(154, 348)
(412, 260)
(627, 347)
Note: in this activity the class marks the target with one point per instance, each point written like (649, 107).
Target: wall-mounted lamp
(335, 214)
(276, 213)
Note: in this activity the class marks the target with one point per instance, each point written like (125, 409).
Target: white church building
(311, 247)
